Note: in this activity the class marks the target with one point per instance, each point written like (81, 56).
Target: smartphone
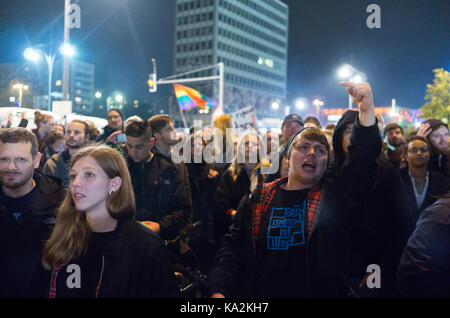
(121, 138)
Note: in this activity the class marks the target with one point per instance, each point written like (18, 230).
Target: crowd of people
(300, 214)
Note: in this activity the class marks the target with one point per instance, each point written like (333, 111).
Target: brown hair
(41, 118)
(16, 135)
(53, 137)
(310, 133)
(86, 125)
(70, 236)
(158, 122)
(138, 128)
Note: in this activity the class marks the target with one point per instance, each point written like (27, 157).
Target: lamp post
(34, 55)
(21, 87)
(318, 103)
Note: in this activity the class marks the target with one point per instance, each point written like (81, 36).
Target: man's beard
(73, 146)
(26, 176)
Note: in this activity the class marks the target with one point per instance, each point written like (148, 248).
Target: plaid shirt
(314, 200)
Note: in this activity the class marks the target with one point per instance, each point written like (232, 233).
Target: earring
(111, 191)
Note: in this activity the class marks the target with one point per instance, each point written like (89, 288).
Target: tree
(438, 96)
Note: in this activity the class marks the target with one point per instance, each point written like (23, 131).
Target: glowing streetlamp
(20, 87)
(349, 73)
(119, 98)
(35, 55)
(318, 103)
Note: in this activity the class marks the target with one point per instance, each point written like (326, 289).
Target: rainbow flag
(190, 98)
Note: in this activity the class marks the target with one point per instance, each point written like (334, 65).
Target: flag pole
(182, 116)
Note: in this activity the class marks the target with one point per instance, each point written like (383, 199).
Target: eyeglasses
(416, 150)
(306, 148)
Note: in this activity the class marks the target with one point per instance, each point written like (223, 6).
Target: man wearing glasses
(288, 238)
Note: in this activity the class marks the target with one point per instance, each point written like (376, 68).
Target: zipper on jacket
(97, 289)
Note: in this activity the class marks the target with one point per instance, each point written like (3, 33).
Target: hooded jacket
(384, 229)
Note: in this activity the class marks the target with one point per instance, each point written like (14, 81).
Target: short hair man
(436, 132)
(77, 136)
(115, 123)
(292, 124)
(288, 236)
(28, 200)
(312, 121)
(162, 194)
(164, 133)
(395, 144)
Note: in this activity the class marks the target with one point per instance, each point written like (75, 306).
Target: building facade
(249, 36)
(35, 76)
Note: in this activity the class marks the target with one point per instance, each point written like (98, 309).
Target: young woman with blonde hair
(241, 178)
(97, 249)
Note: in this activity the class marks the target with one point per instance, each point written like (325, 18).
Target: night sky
(121, 36)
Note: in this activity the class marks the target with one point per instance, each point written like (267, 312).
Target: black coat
(229, 193)
(162, 194)
(424, 269)
(385, 226)
(326, 250)
(22, 240)
(437, 185)
(135, 265)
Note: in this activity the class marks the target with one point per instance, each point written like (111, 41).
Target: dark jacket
(440, 162)
(135, 265)
(162, 194)
(107, 131)
(424, 269)
(203, 188)
(341, 199)
(58, 166)
(437, 186)
(384, 228)
(229, 193)
(21, 240)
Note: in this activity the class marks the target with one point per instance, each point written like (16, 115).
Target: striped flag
(190, 98)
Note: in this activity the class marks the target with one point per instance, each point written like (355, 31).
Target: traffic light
(152, 87)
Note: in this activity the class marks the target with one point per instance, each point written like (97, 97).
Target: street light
(318, 103)
(275, 105)
(349, 73)
(21, 87)
(119, 98)
(34, 55)
(67, 50)
(300, 103)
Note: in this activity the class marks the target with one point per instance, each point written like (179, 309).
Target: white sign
(62, 107)
(244, 119)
